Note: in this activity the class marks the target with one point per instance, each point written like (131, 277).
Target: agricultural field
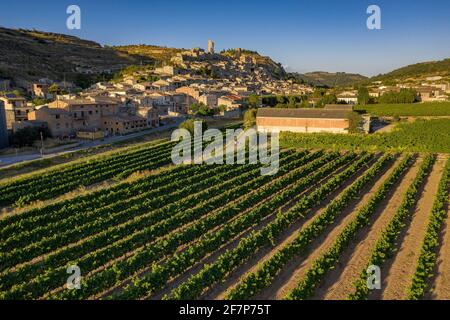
(429, 109)
(228, 232)
(417, 136)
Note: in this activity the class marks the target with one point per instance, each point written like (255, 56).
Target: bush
(250, 118)
(28, 135)
(201, 109)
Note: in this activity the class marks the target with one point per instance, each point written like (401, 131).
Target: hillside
(418, 70)
(165, 54)
(28, 55)
(161, 54)
(276, 68)
(327, 79)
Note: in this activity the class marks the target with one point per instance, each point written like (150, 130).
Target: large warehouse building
(303, 120)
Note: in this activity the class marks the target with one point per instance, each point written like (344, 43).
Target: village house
(162, 85)
(4, 140)
(144, 86)
(231, 102)
(211, 100)
(428, 94)
(348, 97)
(40, 90)
(16, 109)
(59, 121)
(85, 116)
(167, 70)
(122, 124)
(302, 120)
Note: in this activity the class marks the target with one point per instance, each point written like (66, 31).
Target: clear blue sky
(304, 35)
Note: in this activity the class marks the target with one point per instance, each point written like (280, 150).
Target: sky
(303, 35)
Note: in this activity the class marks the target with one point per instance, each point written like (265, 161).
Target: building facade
(4, 140)
(16, 110)
(302, 120)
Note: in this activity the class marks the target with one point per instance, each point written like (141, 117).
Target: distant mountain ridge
(328, 79)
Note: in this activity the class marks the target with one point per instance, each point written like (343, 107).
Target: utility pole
(42, 145)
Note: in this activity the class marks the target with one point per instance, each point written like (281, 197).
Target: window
(57, 116)
(90, 112)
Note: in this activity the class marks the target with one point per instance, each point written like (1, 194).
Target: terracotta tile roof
(302, 113)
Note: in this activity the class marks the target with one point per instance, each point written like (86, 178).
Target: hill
(327, 79)
(157, 53)
(274, 67)
(418, 70)
(29, 55)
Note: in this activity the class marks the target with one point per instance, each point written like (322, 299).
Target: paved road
(14, 159)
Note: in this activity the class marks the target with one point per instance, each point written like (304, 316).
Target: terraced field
(227, 232)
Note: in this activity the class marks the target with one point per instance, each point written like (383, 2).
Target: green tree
(201, 109)
(28, 135)
(328, 99)
(363, 96)
(55, 89)
(403, 96)
(355, 122)
(253, 101)
(250, 118)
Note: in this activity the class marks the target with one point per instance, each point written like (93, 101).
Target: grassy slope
(419, 69)
(416, 109)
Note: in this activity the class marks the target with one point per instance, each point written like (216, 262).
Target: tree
(404, 96)
(40, 101)
(270, 101)
(363, 96)
(201, 109)
(355, 122)
(250, 118)
(330, 99)
(55, 89)
(222, 108)
(253, 101)
(28, 135)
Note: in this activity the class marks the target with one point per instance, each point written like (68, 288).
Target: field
(227, 232)
(418, 136)
(431, 109)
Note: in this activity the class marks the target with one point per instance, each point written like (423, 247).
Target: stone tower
(210, 46)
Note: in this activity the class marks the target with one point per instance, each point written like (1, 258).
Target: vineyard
(228, 232)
